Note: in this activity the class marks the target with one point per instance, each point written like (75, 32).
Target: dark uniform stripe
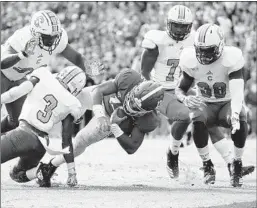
(202, 33)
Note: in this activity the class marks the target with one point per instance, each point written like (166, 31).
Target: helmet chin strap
(151, 93)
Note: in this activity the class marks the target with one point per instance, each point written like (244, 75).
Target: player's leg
(178, 113)
(238, 138)
(10, 121)
(90, 134)
(221, 143)
(19, 143)
(200, 136)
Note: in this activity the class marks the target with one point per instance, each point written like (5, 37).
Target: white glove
(31, 45)
(94, 68)
(235, 122)
(194, 102)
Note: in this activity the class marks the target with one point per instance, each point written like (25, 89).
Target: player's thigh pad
(18, 143)
(173, 109)
(225, 115)
(205, 114)
(90, 134)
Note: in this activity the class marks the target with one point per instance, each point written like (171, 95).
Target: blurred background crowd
(113, 31)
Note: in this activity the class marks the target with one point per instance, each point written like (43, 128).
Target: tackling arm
(19, 91)
(67, 130)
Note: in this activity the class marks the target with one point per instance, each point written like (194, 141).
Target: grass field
(109, 178)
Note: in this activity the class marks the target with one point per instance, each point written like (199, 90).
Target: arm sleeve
(19, 91)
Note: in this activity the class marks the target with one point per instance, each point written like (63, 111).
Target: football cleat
(44, 174)
(246, 170)
(172, 164)
(72, 180)
(236, 178)
(209, 172)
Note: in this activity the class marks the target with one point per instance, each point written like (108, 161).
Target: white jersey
(40, 58)
(166, 70)
(49, 102)
(212, 81)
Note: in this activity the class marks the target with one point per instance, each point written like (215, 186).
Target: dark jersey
(125, 81)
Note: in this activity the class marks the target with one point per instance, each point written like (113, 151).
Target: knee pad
(18, 175)
(239, 137)
(200, 134)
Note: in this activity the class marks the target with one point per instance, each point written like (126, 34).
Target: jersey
(40, 57)
(48, 103)
(166, 70)
(124, 81)
(212, 81)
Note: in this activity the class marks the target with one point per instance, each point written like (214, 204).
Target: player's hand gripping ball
(118, 116)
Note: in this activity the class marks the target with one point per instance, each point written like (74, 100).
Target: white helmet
(46, 26)
(209, 43)
(72, 78)
(179, 22)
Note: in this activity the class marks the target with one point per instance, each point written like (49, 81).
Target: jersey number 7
(44, 116)
(173, 64)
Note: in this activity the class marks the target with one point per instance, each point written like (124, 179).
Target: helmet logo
(39, 21)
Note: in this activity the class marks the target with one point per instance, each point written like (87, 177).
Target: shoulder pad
(188, 58)
(156, 36)
(19, 39)
(63, 43)
(126, 78)
(41, 72)
(148, 44)
(148, 122)
(231, 56)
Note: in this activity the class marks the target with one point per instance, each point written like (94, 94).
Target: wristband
(21, 55)
(117, 132)
(98, 111)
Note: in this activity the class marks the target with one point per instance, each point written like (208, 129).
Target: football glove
(235, 122)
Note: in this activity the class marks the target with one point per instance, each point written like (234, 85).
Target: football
(126, 125)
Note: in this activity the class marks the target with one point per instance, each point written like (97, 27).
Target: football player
(49, 100)
(216, 71)
(161, 56)
(129, 102)
(32, 47)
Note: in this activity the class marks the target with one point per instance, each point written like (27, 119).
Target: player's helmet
(72, 78)
(179, 22)
(143, 98)
(209, 43)
(46, 26)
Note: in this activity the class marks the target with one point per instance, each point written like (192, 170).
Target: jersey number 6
(44, 116)
(173, 64)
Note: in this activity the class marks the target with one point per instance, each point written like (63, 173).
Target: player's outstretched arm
(148, 59)
(67, 131)
(90, 68)
(16, 92)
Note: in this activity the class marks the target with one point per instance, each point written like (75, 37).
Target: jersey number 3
(173, 64)
(44, 116)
